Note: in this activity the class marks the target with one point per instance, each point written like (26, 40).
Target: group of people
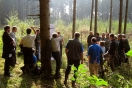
(28, 45)
(98, 48)
(108, 47)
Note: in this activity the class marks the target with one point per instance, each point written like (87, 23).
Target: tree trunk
(44, 34)
(96, 11)
(126, 14)
(91, 15)
(74, 18)
(110, 16)
(120, 17)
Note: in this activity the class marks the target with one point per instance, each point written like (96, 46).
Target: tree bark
(96, 13)
(91, 15)
(74, 18)
(120, 17)
(44, 34)
(110, 16)
(126, 14)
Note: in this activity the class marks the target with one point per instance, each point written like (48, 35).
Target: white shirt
(55, 43)
(28, 41)
(13, 35)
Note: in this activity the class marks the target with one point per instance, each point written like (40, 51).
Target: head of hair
(115, 36)
(54, 35)
(94, 40)
(123, 35)
(28, 30)
(13, 28)
(120, 35)
(37, 30)
(107, 34)
(91, 32)
(58, 32)
(6, 27)
(102, 43)
(112, 35)
(97, 34)
(76, 34)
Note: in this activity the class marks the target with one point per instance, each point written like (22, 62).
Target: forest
(62, 9)
(40, 14)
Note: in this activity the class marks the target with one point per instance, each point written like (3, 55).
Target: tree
(126, 14)
(91, 15)
(120, 17)
(110, 16)
(74, 18)
(96, 11)
(45, 35)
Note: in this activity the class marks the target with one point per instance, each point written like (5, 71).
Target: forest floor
(29, 81)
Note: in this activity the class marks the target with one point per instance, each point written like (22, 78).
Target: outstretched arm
(33, 30)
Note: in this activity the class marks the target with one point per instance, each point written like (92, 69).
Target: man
(98, 38)
(89, 38)
(103, 37)
(37, 44)
(112, 51)
(127, 47)
(13, 36)
(121, 48)
(107, 42)
(8, 50)
(74, 53)
(61, 43)
(126, 42)
(28, 43)
(94, 52)
(55, 44)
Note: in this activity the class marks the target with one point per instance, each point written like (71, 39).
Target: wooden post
(91, 15)
(126, 14)
(74, 18)
(110, 16)
(96, 11)
(120, 18)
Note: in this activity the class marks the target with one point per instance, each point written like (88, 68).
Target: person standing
(74, 53)
(89, 38)
(28, 43)
(94, 52)
(13, 36)
(121, 48)
(103, 37)
(8, 50)
(55, 44)
(102, 45)
(98, 38)
(37, 44)
(61, 43)
(107, 42)
(112, 52)
(127, 47)
(126, 42)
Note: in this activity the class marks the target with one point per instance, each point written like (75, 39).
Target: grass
(26, 81)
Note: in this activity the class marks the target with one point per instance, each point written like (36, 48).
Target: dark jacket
(8, 47)
(112, 49)
(121, 45)
(89, 40)
(75, 48)
(127, 46)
